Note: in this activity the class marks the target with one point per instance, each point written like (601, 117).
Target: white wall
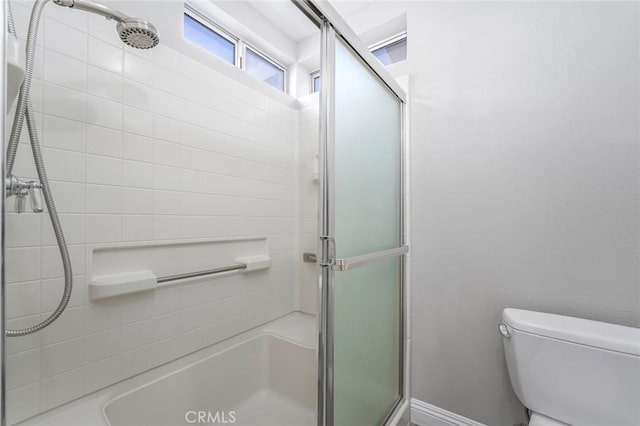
(141, 146)
(525, 180)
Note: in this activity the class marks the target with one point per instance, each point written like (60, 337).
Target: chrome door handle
(356, 261)
(328, 252)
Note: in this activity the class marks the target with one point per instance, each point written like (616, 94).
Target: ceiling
(347, 8)
(292, 23)
(286, 17)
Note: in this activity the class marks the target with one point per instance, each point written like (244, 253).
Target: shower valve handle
(35, 196)
(21, 189)
(21, 201)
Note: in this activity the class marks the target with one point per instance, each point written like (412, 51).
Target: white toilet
(573, 371)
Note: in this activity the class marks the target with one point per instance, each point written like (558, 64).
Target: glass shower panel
(367, 159)
(367, 295)
(367, 343)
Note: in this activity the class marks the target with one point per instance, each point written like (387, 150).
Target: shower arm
(97, 8)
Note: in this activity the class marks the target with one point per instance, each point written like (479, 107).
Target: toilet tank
(577, 371)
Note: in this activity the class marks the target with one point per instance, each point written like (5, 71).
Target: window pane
(264, 70)
(316, 84)
(392, 53)
(205, 37)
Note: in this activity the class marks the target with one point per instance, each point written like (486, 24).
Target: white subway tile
(65, 71)
(167, 153)
(75, 20)
(64, 165)
(65, 39)
(143, 53)
(137, 68)
(61, 388)
(21, 16)
(139, 360)
(104, 141)
(53, 288)
(23, 230)
(104, 112)
(64, 134)
(137, 201)
(103, 345)
(166, 301)
(136, 147)
(69, 197)
(104, 199)
(137, 121)
(137, 174)
(52, 263)
(61, 357)
(103, 373)
(63, 102)
(104, 170)
(105, 84)
(102, 315)
(25, 264)
(137, 228)
(22, 343)
(136, 306)
(24, 165)
(105, 55)
(166, 129)
(104, 30)
(22, 299)
(138, 95)
(166, 227)
(23, 402)
(37, 95)
(104, 228)
(137, 334)
(22, 368)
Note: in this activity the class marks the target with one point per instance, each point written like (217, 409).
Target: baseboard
(401, 415)
(424, 414)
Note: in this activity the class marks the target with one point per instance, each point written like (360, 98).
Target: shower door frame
(332, 27)
(3, 96)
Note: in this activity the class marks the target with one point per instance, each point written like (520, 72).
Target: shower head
(138, 33)
(134, 32)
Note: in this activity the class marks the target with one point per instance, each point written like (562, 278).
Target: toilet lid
(540, 420)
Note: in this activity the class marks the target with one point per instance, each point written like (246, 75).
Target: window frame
(217, 29)
(243, 63)
(312, 77)
(388, 41)
(240, 46)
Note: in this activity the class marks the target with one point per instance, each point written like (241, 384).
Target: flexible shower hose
(24, 110)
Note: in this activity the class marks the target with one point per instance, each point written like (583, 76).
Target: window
(391, 50)
(207, 37)
(200, 30)
(263, 69)
(315, 82)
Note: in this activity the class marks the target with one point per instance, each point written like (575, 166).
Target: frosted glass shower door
(365, 280)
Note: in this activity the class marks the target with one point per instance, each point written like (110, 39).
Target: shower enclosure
(359, 343)
(361, 315)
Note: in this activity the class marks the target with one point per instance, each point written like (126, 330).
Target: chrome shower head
(132, 31)
(138, 33)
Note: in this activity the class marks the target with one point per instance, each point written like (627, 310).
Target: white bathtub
(266, 376)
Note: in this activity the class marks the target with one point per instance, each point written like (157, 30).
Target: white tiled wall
(144, 146)
(307, 201)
